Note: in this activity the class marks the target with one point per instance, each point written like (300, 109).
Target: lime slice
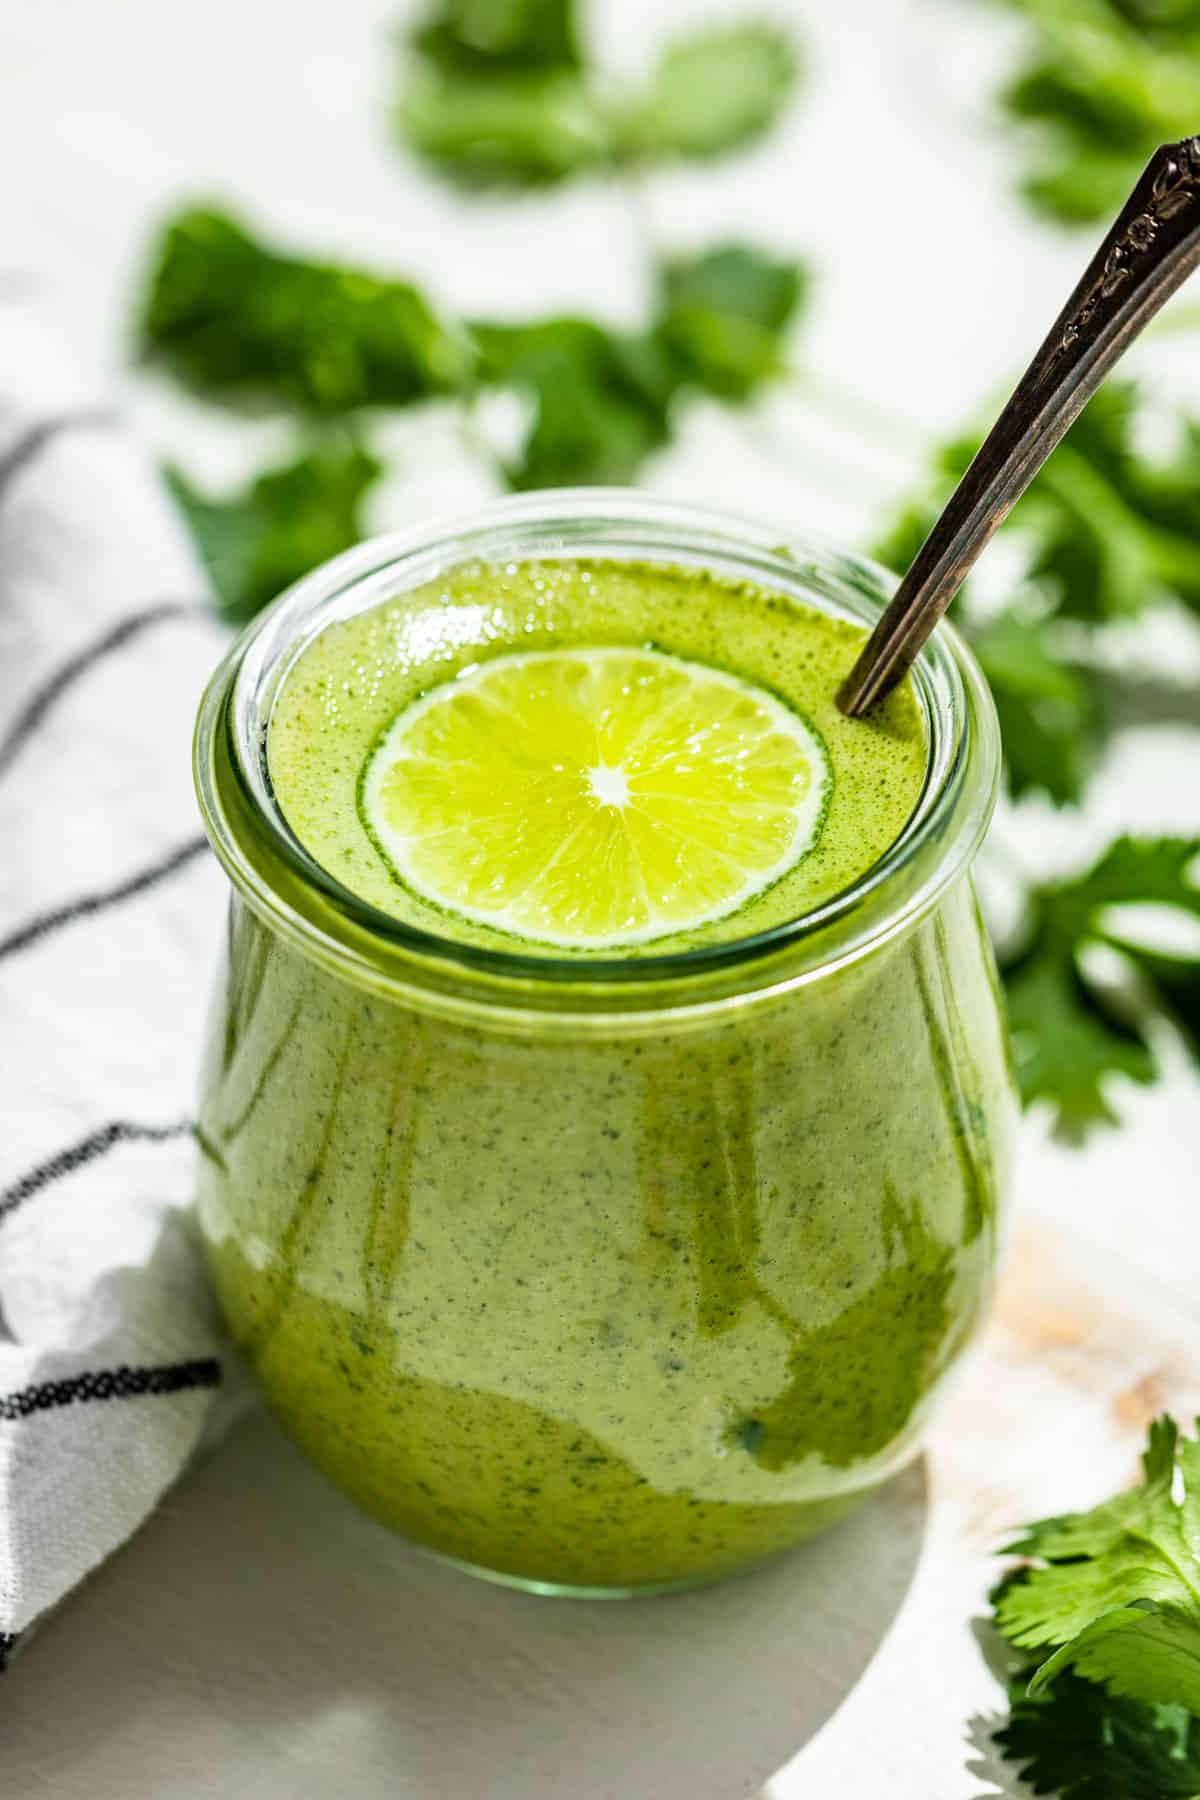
(594, 797)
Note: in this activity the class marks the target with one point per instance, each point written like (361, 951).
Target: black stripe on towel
(115, 638)
(74, 1156)
(122, 1383)
(8, 1643)
(87, 904)
(37, 438)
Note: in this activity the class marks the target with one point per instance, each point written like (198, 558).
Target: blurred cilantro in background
(724, 316)
(242, 323)
(1068, 1036)
(1101, 84)
(499, 37)
(288, 520)
(603, 400)
(1109, 533)
(499, 93)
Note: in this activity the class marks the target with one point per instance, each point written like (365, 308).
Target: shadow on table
(1004, 1781)
(262, 1638)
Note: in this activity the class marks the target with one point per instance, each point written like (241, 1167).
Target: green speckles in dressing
(349, 685)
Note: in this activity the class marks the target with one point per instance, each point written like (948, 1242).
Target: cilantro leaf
(240, 321)
(1050, 711)
(496, 95)
(1066, 1040)
(1082, 1743)
(1066, 1046)
(483, 36)
(712, 92)
(524, 130)
(724, 315)
(290, 519)
(1147, 870)
(1142, 1652)
(602, 399)
(1102, 83)
(1115, 1593)
(1118, 528)
(506, 99)
(599, 399)
(1175, 979)
(1125, 1549)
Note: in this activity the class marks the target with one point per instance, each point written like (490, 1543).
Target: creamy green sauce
(352, 681)
(604, 1308)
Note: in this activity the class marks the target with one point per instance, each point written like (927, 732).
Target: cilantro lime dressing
(349, 687)
(604, 1307)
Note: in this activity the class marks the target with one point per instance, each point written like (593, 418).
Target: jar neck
(326, 921)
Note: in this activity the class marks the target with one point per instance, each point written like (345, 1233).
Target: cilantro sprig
(1100, 85)
(1106, 1610)
(1068, 1036)
(501, 95)
(1107, 533)
(258, 540)
(240, 321)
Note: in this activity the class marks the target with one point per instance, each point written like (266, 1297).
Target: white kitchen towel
(111, 1357)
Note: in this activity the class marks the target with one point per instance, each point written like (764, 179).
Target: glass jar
(603, 1276)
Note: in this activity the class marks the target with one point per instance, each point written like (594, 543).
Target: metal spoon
(1152, 248)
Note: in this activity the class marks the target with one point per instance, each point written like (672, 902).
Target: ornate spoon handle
(1152, 248)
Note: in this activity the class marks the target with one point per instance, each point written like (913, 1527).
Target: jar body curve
(621, 1305)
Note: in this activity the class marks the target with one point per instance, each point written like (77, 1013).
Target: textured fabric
(111, 1356)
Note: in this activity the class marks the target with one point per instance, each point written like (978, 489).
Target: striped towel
(111, 1357)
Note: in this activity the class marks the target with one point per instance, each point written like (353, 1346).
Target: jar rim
(310, 906)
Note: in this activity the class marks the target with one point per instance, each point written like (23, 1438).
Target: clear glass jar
(616, 1275)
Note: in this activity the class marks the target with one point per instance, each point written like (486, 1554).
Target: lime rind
(594, 798)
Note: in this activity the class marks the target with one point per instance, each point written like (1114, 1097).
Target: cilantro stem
(1175, 557)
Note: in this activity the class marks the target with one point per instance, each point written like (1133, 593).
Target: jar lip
(617, 524)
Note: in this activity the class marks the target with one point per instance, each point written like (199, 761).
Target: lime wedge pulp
(594, 797)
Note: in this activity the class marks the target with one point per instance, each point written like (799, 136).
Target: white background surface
(259, 1638)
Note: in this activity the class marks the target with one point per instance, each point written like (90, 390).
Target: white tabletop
(259, 1638)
